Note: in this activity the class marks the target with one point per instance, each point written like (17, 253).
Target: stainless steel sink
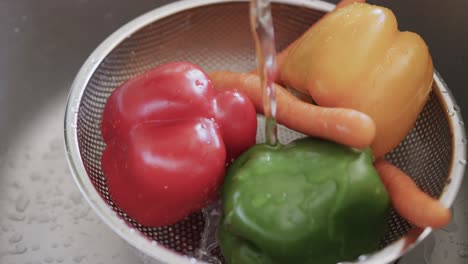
(43, 219)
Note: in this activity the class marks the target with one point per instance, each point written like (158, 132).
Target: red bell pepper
(169, 135)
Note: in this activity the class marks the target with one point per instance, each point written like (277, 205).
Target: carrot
(409, 201)
(345, 126)
(281, 56)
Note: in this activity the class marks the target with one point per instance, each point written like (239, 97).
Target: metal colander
(215, 34)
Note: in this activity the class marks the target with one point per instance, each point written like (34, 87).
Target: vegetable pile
(178, 139)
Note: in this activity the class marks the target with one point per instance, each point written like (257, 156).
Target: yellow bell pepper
(355, 57)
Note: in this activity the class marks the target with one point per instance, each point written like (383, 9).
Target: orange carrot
(409, 201)
(281, 57)
(345, 126)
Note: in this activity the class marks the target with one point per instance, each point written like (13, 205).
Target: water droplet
(462, 162)
(22, 202)
(66, 244)
(56, 203)
(450, 113)
(108, 15)
(16, 30)
(35, 176)
(60, 259)
(43, 218)
(3, 228)
(456, 108)
(429, 248)
(24, 17)
(16, 217)
(78, 258)
(443, 91)
(67, 205)
(75, 197)
(52, 228)
(281, 197)
(463, 253)
(260, 199)
(15, 238)
(48, 259)
(166, 187)
(461, 123)
(35, 247)
(56, 144)
(17, 185)
(154, 243)
(19, 249)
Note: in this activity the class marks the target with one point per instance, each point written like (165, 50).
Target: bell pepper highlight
(169, 136)
(311, 201)
(355, 57)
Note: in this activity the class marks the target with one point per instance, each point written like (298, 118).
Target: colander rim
(165, 255)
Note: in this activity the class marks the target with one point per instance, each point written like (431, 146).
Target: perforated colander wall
(218, 37)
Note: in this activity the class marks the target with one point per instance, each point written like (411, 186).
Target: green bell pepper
(311, 201)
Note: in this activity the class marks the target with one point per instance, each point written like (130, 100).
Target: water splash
(264, 35)
(212, 215)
